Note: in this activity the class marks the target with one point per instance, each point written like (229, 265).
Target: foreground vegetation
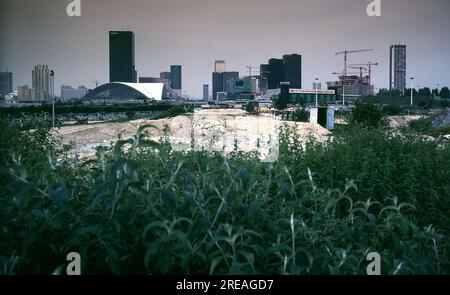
(142, 208)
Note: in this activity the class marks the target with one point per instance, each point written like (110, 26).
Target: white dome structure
(125, 90)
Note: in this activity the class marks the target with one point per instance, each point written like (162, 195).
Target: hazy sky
(194, 33)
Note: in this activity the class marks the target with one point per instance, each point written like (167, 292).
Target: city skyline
(196, 33)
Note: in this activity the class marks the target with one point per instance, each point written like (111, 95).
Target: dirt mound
(220, 130)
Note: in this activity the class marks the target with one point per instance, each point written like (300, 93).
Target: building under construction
(397, 68)
(355, 86)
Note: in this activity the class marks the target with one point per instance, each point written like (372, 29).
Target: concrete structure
(127, 91)
(6, 83)
(205, 92)
(23, 93)
(121, 57)
(355, 86)
(41, 83)
(165, 75)
(397, 68)
(26, 94)
(324, 116)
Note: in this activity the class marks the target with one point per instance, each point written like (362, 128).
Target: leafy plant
(301, 115)
(367, 115)
(140, 207)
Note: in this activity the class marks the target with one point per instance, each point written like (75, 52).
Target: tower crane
(345, 53)
(361, 69)
(250, 70)
(369, 65)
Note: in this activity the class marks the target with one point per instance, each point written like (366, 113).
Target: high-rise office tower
(293, 70)
(219, 66)
(264, 70)
(205, 92)
(227, 76)
(276, 67)
(41, 82)
(397, 68)
(217, 84)
(6, 83)
(176, 77)
(121, 57)
(220, 80)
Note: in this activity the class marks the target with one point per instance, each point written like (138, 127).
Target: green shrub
(367, 115)
(445, 103)
(422, 126)
(392, 110)
(250, 107)
(146, 209)
(301, 115)
(281, 102)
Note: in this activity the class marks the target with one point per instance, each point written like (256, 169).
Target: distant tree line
(425, 91)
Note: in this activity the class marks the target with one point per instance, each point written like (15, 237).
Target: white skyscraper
(41, 82)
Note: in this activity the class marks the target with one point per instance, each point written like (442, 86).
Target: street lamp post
(52, 81)
(317, 92)
(412, 93)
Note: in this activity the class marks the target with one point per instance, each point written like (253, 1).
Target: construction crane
(361, 83)
(345, 53)
(369, 65)
(348, 73)
(361, 69)
(250, 70)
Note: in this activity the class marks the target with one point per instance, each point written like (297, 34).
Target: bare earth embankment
(211, 129)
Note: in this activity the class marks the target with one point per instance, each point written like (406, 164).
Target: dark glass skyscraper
(176, 77)
(293, 70)
(121, 57)
(276, 73)
(6, 83)
(219, 81)
(205, 92)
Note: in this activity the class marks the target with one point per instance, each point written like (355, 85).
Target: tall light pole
(343, 90)
(52, 75)
(316, 84)
(412, 93)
